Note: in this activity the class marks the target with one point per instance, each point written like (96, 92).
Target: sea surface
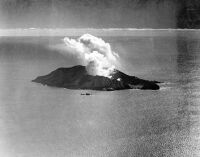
(41, 121)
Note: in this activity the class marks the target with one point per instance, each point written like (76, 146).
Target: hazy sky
(86, 14)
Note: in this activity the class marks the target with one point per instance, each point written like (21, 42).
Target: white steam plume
(95, 53)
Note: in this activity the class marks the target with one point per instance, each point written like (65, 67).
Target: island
(76, 77)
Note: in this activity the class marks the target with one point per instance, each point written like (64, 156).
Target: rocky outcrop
(77, 78)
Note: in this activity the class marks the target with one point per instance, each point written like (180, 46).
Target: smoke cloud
(95, 53)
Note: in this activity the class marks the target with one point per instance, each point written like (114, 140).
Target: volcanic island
(77, 77)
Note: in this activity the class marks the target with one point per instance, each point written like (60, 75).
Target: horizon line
(95, 31)
(111, 28)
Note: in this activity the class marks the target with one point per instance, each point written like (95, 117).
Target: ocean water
(42, 121)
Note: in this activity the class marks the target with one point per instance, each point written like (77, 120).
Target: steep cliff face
(77, 78)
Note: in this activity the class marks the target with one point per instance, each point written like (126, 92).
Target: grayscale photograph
(99, 78)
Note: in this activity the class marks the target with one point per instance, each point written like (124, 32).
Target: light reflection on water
(41, 121)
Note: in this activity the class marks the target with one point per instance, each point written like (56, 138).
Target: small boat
(86, 94)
